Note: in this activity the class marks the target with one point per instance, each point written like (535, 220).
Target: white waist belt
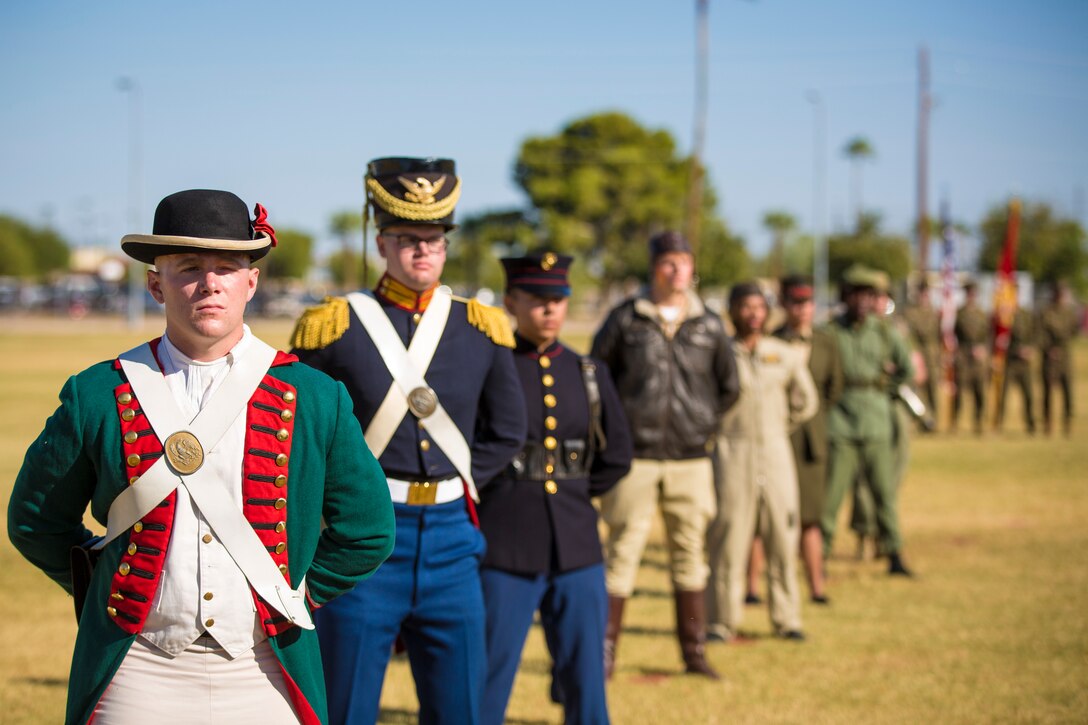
(423, 493)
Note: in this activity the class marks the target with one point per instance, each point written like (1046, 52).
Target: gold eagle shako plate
(422, 401)
(183, 452)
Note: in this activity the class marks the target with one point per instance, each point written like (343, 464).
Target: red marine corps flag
(1004, 304)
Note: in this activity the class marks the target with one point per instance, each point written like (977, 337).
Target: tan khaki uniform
(759, 483)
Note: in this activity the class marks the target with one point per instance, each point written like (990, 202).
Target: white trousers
(199, 686)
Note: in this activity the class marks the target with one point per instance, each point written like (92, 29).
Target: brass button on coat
(138, 526)
(209, 622)
(289, 396)
(131, 549)
(551, 423)
(124, 569)
(545, 362)
(133, 459)
(549, 468)
(281, 527)
(282, 434)
(208, 596)
(548, 380)
(207, 538)
(424, 445)
(416, 318)
(281, 481)
(281, 547)
(286, 414)
(124, 398)
(111, 611)
(550, 401)
(131, 437)
(118, 596)
(551, 443)
(281, 460)
(280, 503)
(283, 568)
(132, 480)
(128, 414)
(551, 487)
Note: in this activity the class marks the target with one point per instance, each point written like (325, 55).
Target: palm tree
(858, 149)
(779, 223)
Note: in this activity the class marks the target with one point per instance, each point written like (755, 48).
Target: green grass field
(993, 629)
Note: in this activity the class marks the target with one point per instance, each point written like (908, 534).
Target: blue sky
(284, 104)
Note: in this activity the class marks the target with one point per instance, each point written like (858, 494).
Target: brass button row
(545, 362)
(281, 460)
(286, 414)
(282, 434)
(131, 437)
(128, 414)
(551, 487)
(548, 380)
(281, 481)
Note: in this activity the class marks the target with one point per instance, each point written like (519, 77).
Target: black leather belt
(568, 460)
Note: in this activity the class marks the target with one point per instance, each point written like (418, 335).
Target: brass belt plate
(184, 452)
(422, 493)
(423, 401)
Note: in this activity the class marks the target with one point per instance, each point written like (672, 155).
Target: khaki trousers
(684, 491)
(201, 686)
(750, 495)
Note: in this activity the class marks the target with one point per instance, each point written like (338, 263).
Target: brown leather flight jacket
(675, 379)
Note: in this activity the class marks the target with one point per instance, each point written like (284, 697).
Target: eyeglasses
(433, 245)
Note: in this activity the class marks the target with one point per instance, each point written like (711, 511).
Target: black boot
(691, 631)
(896, 567)
(612, 633)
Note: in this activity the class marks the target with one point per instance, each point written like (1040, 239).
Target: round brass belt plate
(184, 452)
(423, 401)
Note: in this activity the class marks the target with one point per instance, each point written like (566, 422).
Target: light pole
(128, 85)
(819, 201)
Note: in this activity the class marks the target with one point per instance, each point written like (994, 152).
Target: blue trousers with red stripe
(429, 591)
(573, 612)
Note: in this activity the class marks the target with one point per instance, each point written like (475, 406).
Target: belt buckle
(422, 493)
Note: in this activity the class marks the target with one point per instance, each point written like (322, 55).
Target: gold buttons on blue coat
(548, 380)
(545, 362)
(551, 487)
(551, 443)
(551, 423)
(550, 401)
(424, 445)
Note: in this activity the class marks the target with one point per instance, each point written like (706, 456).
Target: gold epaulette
(491, 321)
(321, 325)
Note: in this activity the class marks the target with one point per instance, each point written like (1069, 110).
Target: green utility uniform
(860, 427)
(863, 514)
(924, 323)
(1018, 366)
(1057, 328)
(972, 359)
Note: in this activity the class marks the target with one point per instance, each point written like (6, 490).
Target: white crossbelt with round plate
(409, 390)
(185, 443)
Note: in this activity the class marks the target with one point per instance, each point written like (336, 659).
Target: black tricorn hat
(405, 190)
(542, 273)
(202, 220)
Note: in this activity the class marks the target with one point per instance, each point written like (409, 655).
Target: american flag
(948, 282)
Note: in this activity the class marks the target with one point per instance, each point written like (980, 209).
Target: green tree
(871, 247)
(345, 268)
(603, 185)
(292, 257)
(29, 251)
(1050, 248)
(471, 260)
(858, 150)
(344, 225)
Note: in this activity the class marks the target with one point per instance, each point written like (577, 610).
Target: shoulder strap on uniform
(321, 325)
(597, 439)
(489, 320)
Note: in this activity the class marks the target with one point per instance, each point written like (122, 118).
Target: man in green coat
(1058, 325)
(972, 355)
(1018, 362)
(236, 488)
(924, 323)
(860, 425)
